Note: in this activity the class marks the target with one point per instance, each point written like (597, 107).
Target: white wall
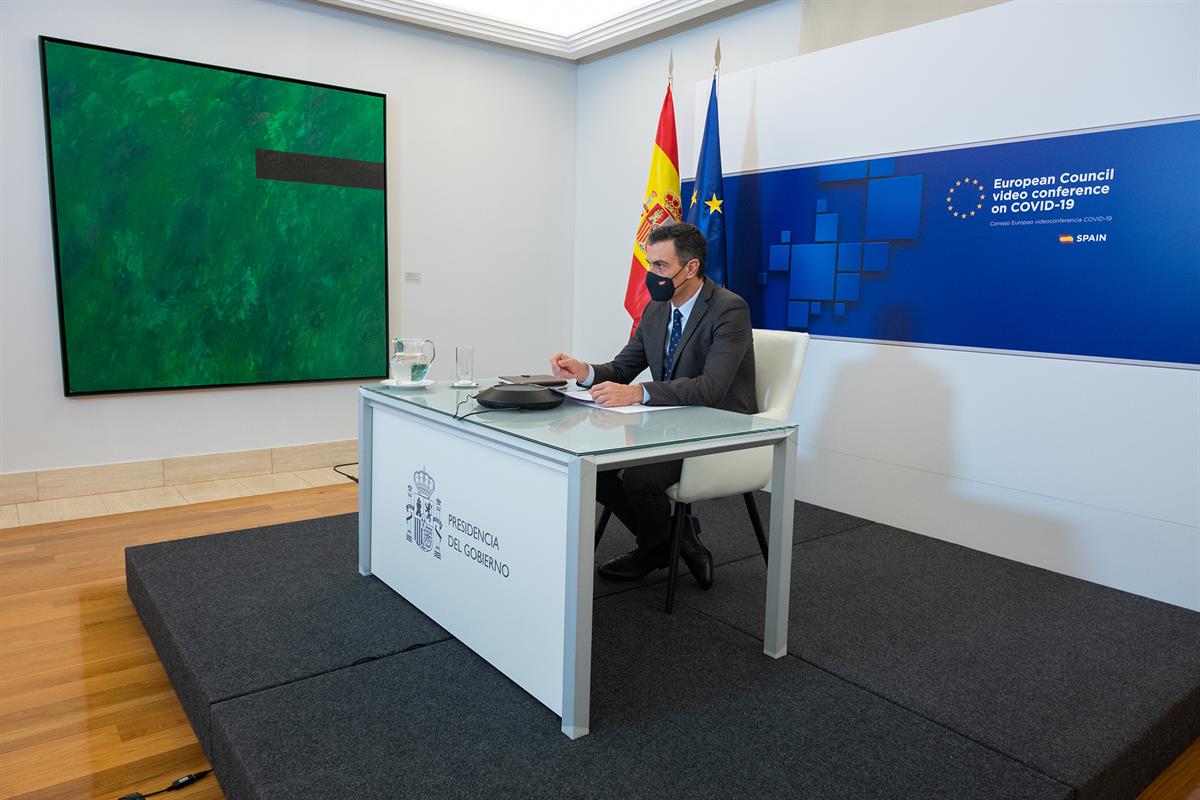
(1089, 469)
(481, 161)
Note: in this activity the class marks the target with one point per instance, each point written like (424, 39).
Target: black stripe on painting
(276, 165)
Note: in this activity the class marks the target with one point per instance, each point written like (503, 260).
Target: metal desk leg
(577, 625)
(364, 485)
(779, 562)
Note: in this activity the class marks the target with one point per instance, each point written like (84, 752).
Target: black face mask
(661, 289)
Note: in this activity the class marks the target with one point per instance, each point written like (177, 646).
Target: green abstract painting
(212, 227)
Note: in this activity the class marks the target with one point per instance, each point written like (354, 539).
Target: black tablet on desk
(535, 380)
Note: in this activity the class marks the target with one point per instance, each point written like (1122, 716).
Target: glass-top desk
(486, 521)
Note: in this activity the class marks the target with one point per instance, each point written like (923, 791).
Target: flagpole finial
(670, 66)
(717, 56)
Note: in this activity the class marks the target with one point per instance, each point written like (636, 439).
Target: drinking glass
(464, 366)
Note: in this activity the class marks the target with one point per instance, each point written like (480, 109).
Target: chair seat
(722, 475)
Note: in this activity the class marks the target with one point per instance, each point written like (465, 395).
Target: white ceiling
(551, 16)
(570, 29)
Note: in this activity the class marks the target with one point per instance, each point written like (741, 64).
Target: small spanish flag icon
(1065, 238)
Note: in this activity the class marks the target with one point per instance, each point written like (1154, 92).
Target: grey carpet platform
(1097, 687)
(683, 707)
(236, 613)
(917, 669)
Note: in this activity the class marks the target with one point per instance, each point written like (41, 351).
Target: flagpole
(717, 62)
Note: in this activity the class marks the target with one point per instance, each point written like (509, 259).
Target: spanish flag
(1066, 238)
(660, 206)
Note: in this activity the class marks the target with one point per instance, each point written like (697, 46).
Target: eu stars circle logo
(965, 198)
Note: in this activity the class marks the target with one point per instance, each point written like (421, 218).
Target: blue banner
(1077, 245)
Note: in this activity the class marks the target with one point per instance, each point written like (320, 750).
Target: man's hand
(609, 394)
(563, 366)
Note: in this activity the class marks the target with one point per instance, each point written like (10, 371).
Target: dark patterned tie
(676, 332)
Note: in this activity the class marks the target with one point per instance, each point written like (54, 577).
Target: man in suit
(696, 339)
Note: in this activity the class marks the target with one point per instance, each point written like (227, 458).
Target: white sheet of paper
(582, 396)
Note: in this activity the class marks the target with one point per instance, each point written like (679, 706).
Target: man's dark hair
(689, 242)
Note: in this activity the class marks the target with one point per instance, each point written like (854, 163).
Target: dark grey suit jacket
(714, 361)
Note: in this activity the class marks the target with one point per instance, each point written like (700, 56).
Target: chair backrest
(778, 362)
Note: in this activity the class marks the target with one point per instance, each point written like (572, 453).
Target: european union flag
(707, 211)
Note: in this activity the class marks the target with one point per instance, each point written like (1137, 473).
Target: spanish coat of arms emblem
(424, 514)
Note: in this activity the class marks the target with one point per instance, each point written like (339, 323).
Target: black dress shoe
(699, 561)
(629, 567)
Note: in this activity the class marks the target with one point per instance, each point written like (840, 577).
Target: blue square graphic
(812, 271)
(875, 257)
(839, 309)
(850, 171)
(849, 256)
(814, 309)
(778, 261)
(894, 208)
(827, 225)
(822, 205)
(797, 314)
(847, 287)
(785, 236)
(882, 167)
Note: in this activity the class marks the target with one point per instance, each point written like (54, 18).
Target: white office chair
(778, 361)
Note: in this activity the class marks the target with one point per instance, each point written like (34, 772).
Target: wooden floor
(85, 707)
